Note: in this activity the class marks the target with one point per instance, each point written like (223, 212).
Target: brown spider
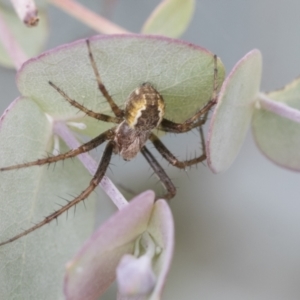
(144, 111)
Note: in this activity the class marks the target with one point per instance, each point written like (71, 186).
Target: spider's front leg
(90, 113)
(196, 120)
(169, 126)
(119, 113)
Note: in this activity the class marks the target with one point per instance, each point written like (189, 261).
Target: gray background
(237, 233)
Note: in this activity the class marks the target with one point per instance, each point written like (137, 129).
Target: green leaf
(276, 136)
(233, 112)
(170, 18)
(33, 266)
(31, 40)
(181, 72)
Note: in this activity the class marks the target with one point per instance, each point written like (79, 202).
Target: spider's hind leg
(105, 160)
(167, 154)
(171, 189)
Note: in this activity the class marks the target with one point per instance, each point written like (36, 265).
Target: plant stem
(279, 108)
(90, 164)
(88, 17)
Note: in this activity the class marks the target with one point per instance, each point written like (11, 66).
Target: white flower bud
(135, 276)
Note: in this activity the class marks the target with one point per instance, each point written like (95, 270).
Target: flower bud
(135, 276)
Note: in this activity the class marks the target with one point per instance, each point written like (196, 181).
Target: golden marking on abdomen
(144, 108)
(135, 109)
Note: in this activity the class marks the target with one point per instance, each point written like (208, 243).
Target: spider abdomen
(144, 108)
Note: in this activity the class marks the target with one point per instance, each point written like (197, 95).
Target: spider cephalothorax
(144, 111)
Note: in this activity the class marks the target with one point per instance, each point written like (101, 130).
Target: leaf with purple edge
(233, 113)
(161, 228)
(32, 267)
(278, 136)
(92, 270)
(181, 72)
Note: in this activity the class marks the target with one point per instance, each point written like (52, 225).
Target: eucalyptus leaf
(276, 136)
(170, 18)
(31, 40)
(181, 72)
(33, 266)
(232, 116)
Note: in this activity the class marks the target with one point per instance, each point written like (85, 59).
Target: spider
(144, 112)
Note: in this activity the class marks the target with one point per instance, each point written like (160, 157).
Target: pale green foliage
(33, 266)
(279, 137)
(232, 116)
(170, 18)
(183, 74)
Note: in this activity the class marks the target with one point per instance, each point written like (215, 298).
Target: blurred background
(237, 233)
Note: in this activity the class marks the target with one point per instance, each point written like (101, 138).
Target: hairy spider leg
(95, 142)
(119, 113)
(98, 116)
(202, 138)
(160, 172)
(93, 184)
(167, 154)
(194, 121)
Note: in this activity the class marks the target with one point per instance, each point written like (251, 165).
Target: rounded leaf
(35, 263)
(232, 115)
(276, 136)
(181, 72)
(161, 228)
(170, 18)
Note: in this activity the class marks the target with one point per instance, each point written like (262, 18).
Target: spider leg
(202, 138)
(115, 108)
(93, 184)
(166, 154)
(107, 135)
(168, 184)
(169, 126)
(195, 120)
(98, 116)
